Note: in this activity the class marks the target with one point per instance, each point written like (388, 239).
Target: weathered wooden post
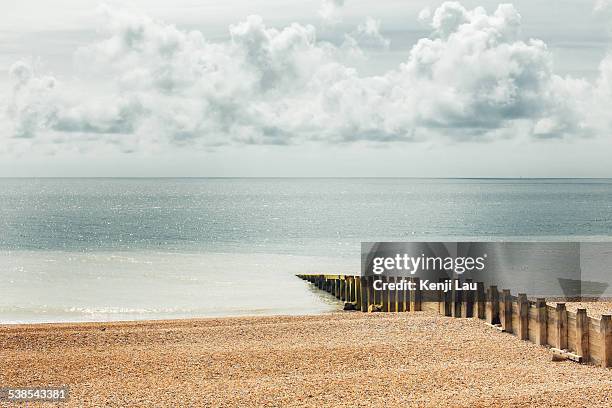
(342, 294)
(506, 313)
(467, 302)
(347, 289)
(456, 302)
(582, 335)
(415, 295)
(523, 317)
(393, 295)
(441, 299)
(480, 301)
(492, 305)
(605, 325)
(362, 295)
(561, 326)
(385, 294)
(372, 298)
(401, 297)
(542, 319)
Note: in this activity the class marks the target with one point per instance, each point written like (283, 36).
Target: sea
(106, 249)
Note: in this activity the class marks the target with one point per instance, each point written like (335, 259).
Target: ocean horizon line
(290, 178)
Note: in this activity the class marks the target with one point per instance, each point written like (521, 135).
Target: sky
(305, 88)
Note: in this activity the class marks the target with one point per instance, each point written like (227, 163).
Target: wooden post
(561, 326)
(415, 295)
(393, 295)
(492, 305)
(348, 289)
(480, 300)
(401, 297)
(606, 340)
(582, 334)
(358, 294)
(386, 295)
(342, 294)
(523, 317)
(542, 319)
(371, 292)
(506, 313)
(441, 300)
(467, 304)
(448, 301)
(456, 300)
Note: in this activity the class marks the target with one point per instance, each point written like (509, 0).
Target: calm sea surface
(110, 249)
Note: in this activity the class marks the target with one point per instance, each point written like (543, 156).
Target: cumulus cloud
(368, 35)
(329, 10)
(473, 78)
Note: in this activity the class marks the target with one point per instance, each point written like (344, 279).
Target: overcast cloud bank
(148, 83)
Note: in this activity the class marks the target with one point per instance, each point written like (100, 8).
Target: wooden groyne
(573, 336)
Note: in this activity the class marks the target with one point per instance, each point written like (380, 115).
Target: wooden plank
(594, 343)
(571, 331)
(551, 326)
(565, 355)
(533, 322)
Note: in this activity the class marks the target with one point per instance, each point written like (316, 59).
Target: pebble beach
(330, 360)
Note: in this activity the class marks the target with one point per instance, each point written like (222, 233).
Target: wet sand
(333, 360)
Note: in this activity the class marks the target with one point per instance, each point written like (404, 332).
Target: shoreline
(333, 359)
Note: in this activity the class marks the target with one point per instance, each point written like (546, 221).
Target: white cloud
(329, 10)
(368, 35)
(473, 78)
